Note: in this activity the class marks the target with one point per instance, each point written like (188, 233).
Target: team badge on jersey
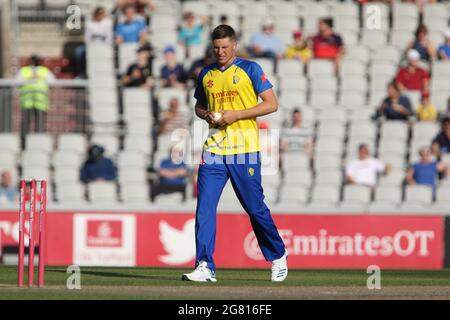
(210, 83)
(251, 172)
(236, 79)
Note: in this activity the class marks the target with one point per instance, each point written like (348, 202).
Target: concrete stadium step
(53, 50)
(36, 27)
(39, 36)
(43, 38)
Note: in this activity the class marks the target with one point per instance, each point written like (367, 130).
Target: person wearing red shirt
(327, 44)
(412, 77)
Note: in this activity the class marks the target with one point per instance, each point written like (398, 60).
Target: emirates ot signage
(357, 241)
(167, 240)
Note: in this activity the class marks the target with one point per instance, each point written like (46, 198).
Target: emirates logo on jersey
(210, 83)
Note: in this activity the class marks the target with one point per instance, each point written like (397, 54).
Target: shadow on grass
(108, 274)
(177, 278)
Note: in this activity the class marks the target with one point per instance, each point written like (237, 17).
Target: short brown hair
(363, 146)
(97, 12)
(394, 85)
(421, 28)
(328, 21)
(223, 31)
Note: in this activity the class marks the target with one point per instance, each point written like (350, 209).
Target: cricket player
(227, 98)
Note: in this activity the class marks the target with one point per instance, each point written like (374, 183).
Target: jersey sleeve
(259, 80)
(199, 93)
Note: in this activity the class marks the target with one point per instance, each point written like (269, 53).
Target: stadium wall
(166, 239)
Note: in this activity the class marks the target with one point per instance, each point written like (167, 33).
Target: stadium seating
(337, 106)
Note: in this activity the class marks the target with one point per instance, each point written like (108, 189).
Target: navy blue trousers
(244, 171)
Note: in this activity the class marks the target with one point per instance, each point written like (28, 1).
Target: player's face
(225, 50)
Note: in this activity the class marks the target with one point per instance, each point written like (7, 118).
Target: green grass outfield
(153, 283)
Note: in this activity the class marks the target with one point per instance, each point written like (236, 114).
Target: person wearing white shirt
(98, 30)
(364, 170)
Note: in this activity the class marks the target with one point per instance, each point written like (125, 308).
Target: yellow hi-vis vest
(34, 91)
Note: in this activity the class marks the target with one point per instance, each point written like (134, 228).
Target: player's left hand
(228, 117)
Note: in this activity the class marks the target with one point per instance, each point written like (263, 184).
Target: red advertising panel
(167, 239)
(313, 241)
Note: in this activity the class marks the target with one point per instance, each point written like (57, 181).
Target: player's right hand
(209, 117)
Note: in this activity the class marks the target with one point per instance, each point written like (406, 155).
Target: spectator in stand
(412, 77)
(295, 136)
(100, 30)
(444, 49)
(395, 106)
(266, 44)
(8, 192)
(143, 9)
(299, 50)
(97, 167)
(426, 111)
(172, 174)
(426, 171)
(199, 64)
(133, 29)
(139, 74)
(441, 143)
(327, 44)
(422, 44)
(173, 118)
(364, 170)
(172, 73)
(34, 80)
(191, 33)
(446, 113)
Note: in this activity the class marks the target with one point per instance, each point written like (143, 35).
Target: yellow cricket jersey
(235, 88)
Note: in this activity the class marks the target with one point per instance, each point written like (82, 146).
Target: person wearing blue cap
(172, 73)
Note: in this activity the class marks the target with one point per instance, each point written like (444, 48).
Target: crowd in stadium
(315, 65)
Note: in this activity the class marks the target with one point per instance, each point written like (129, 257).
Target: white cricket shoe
(280, 269)
(201, 274)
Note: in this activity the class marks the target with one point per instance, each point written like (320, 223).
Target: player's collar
(234, 61)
